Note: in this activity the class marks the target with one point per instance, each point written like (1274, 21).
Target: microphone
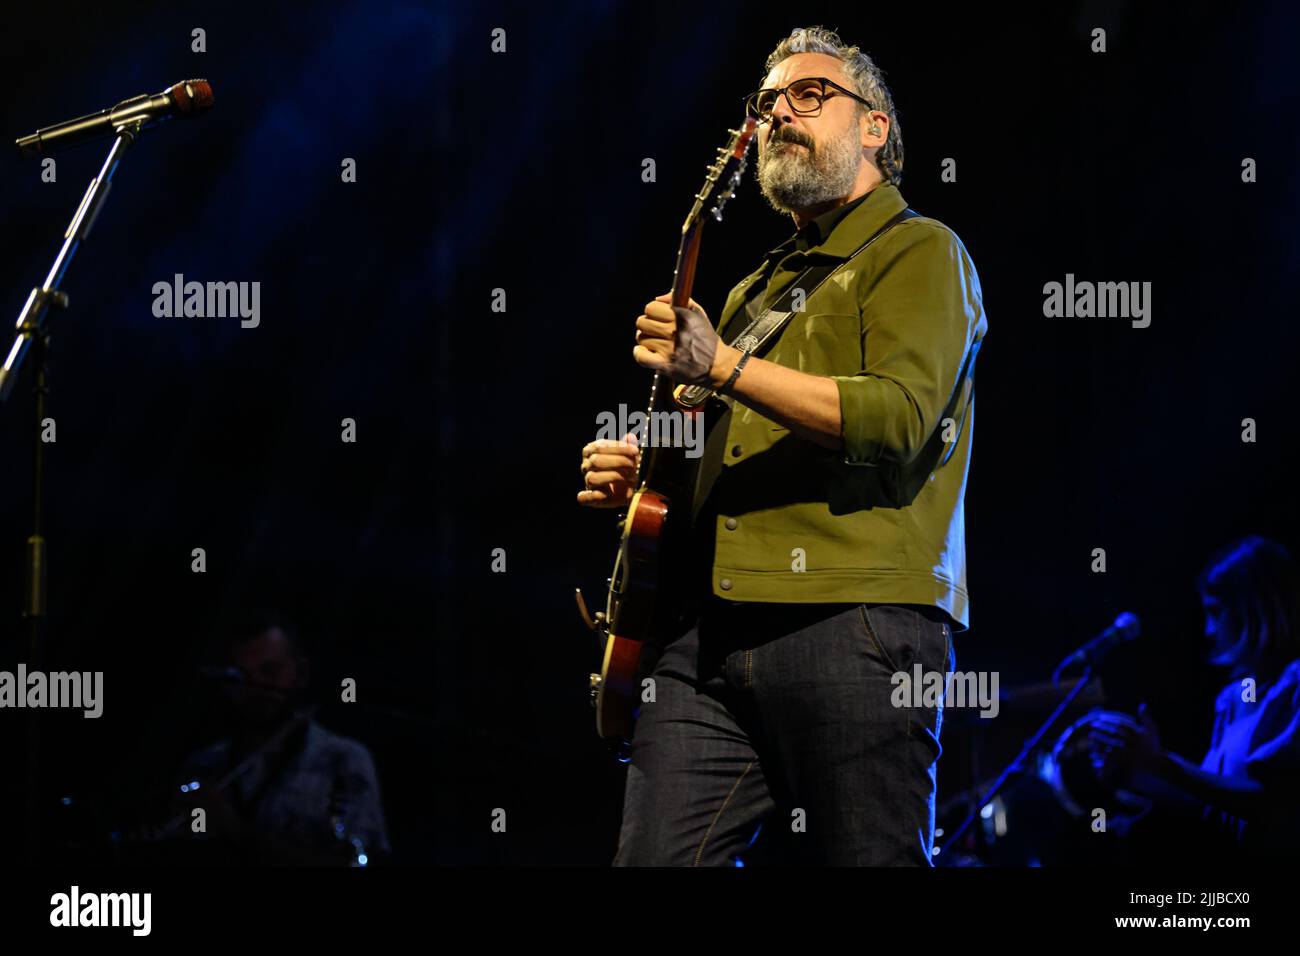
(187, 98)
(1126, 628)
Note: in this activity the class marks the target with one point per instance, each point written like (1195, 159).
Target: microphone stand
(34, 333)
(1017, 765)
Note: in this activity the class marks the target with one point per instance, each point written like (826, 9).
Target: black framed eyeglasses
(805, 97)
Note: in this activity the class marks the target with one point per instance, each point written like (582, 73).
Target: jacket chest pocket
(821, 343)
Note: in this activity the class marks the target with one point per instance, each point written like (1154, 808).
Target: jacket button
(725, 584)
(732, 524)
(736, 451)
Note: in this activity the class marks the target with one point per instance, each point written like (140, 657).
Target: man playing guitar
(828, 511)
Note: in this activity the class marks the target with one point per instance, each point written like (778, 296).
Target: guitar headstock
(724, 175)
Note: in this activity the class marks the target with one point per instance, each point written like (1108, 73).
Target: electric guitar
(638, 603)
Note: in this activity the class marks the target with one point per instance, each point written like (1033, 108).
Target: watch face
(746, 343)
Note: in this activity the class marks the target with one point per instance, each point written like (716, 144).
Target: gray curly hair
(866, 76)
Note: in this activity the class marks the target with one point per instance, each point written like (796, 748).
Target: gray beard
(793, 179)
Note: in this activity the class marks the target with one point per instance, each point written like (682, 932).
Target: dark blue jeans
(778, 717)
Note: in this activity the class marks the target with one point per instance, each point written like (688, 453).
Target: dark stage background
(522, 170)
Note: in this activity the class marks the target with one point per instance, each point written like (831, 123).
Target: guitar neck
(665, 467)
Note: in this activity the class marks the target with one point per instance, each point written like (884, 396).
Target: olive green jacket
(880, 520)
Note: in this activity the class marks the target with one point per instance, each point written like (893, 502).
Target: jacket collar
(848, 233)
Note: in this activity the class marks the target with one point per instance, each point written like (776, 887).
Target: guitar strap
(765, 327)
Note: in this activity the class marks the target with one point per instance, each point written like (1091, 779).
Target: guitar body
(634, 587)
(640, 602)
